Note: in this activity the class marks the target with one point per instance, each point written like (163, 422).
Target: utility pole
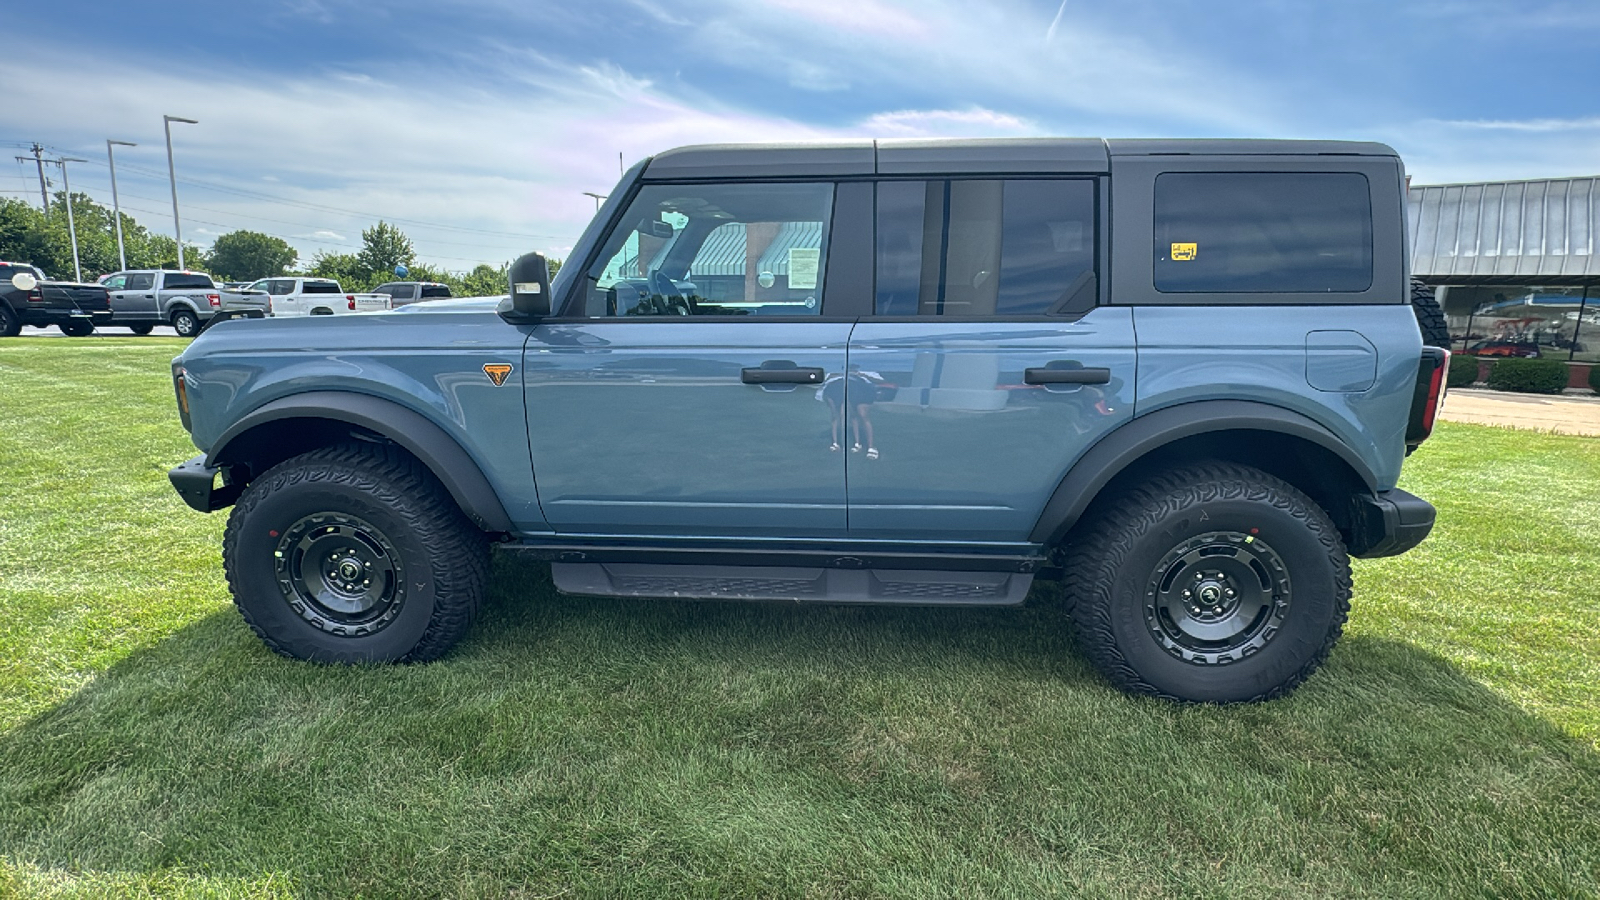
(177, 230)
(44, 195)
(72, 230)
(116, 209)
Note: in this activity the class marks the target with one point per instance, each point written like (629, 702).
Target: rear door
(681, 393)
(988, 367)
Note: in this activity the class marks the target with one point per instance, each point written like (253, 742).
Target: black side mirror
(530, 290)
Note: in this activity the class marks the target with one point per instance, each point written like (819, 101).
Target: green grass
(150, 746)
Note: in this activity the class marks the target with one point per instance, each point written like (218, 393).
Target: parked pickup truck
(141, 299)
(407, 292)
(296, 296)
(869, 372)
(27, 297)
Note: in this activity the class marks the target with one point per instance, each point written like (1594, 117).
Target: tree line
(28, 235)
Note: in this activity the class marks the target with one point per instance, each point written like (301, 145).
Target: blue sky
(478, 124)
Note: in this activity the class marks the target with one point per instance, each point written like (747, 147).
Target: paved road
(104, 331)
(1562, 414)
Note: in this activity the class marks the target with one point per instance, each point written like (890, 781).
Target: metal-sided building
(1515, 263)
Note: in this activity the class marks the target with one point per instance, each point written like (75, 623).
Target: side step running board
(801, 585)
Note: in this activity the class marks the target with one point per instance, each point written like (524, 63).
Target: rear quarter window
(1263, 232)
(436, 290)
(179, 281)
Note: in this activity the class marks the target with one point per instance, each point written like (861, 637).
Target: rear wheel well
(1316, 471)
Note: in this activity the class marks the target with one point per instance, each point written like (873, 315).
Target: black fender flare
(1149, 432)
(429, 443)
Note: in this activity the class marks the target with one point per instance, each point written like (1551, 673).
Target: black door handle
(781, 371)
(1048, 375)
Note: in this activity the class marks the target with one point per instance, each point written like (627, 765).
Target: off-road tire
(1113, 574)
(185, 323)
(442, 559)
(10, 324)
(75, 328)
(141, 329)
(1430, 317)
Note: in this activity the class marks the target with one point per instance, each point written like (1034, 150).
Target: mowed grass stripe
(584, 747)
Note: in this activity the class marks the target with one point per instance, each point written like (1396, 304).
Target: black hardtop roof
(964, 155)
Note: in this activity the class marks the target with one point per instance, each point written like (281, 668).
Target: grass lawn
(150, 746)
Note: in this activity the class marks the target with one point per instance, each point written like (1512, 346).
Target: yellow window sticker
(1184, 252)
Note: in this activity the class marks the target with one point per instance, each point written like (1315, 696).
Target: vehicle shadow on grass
(678, 747)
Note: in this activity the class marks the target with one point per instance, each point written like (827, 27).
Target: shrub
(1463, 371)
(1594, 378)
(1530, 376)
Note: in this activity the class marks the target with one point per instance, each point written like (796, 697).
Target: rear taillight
(1428, 397)
(216, 299)
(36, 295)
(351, 299)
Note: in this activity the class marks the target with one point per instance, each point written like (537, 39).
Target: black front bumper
(1388, 523)
(196, 484)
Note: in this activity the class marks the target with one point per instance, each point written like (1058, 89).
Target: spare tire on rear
(1430, 317)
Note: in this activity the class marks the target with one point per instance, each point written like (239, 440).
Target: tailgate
(243, 301)
(85, 297)
(372, 302)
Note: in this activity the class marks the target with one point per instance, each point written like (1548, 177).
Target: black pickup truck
(27, 297)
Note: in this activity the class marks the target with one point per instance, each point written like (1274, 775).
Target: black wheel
(141, 329)
(10, 324)
(1212, 583)
(76, 328)
(185, 323)
(354, 554)
(1430, 317)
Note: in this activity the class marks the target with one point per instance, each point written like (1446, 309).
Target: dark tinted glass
(320, 287)
(430, 291)
(141, 281)
(179, 281)
(985, 248)
(1259, 232)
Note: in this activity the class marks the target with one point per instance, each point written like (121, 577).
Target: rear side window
(320, 287)
(435, 290)
(141, 281)
(985, 248)
(1263, 232)
(178, 281)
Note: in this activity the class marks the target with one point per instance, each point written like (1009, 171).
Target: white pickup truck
(307, 297)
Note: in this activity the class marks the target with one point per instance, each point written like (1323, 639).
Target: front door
(988, 367)
(683, 390)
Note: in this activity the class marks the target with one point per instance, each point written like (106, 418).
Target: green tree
(345, 268)
(248, 255)
(27, 235)
(383, 247)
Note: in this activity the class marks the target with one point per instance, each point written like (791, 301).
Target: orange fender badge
(497, 372)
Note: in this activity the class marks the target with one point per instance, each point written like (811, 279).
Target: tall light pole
(116, 209)
(72, 230)
(177, 229)
(597, 199)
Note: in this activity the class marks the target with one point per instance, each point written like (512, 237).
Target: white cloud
(974, 122)
(1590, 123)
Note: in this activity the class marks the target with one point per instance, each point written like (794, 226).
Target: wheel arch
(1279, 441)
(296, 424)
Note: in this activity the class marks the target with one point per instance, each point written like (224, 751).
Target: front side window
(715, 250)
(116, 283)
(985, 248)
(1263, 232)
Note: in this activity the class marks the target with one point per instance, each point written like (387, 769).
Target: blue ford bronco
(1180, 375)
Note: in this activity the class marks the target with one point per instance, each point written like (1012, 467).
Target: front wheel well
(1312, 469)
